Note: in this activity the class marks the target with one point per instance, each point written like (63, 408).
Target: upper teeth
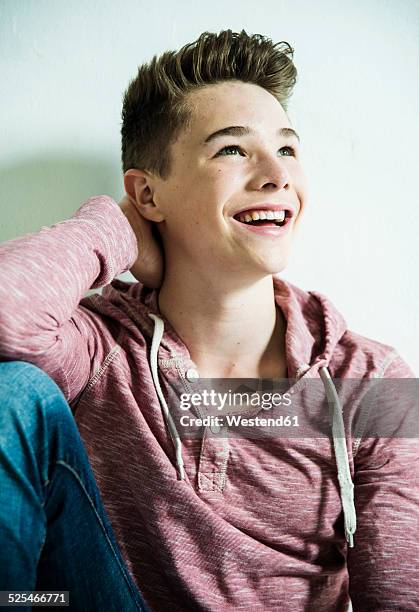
(255, 215)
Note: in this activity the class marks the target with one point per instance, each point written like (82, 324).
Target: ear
(140, 190)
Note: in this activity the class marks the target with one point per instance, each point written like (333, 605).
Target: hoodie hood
(313, 330)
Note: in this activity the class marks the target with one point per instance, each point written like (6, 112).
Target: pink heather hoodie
(214, 524)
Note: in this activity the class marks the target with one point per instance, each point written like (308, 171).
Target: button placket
(213, 457)
(214, 451)
(213, 464)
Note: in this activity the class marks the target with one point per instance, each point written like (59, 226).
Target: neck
(229, 331)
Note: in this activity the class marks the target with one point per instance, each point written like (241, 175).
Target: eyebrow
(243, 130)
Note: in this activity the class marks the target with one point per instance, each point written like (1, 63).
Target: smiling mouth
(268, 219)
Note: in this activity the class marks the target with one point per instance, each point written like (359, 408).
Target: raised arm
(43, 277)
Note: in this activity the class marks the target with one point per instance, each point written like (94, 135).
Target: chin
(278, 269)
(274, 265)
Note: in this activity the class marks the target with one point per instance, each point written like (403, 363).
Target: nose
(273, 172)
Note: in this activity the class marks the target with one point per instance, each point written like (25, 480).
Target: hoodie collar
(313, 324)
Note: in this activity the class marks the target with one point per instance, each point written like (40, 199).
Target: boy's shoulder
(380, 359)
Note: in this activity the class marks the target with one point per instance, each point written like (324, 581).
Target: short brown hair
(154, 108)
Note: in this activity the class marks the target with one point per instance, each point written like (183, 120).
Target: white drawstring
(155, 343)
(341, 455)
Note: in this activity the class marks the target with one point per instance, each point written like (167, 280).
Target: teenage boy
(215, 195)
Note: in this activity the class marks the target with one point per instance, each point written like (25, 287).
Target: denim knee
(20, 378)
(23, 378)
(28, 395)
(36, 423)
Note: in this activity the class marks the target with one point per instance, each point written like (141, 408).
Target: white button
(192, 374)
(215, 428)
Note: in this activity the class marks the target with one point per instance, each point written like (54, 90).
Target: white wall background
(64, 66)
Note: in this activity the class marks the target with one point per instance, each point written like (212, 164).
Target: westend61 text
(238, 420)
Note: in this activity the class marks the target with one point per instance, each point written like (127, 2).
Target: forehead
(234, 103)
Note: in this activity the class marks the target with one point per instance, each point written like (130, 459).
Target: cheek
(299, 183)
(225, 182)
(300, 180)
(196, 200)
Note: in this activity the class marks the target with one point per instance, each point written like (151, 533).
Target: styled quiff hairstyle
(155, 107)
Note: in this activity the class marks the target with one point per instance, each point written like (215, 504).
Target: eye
(229, 148)
(291, 151)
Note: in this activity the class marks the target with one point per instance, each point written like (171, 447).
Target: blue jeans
(54, 532)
